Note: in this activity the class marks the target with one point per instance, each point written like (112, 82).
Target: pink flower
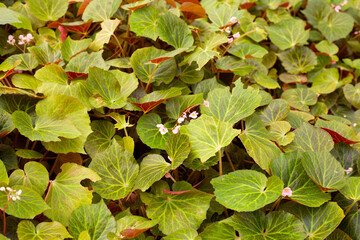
(227, 30)
(337, 8)
(206, 104)
(180, 119)
(194, 115)
(236, 35)
(232, 20)
(63, 32)
(11, 40)
(163, 130)
(286, 192)
(176, 130)
(29, 37)
(230, 40)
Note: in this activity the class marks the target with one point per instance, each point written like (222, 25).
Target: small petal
(18, 197)
(19, 192)
(9, 189)
(286, 192)
(2, 189)
(180, 119)
(232, 20)
(159, 125)
(236, 35)
(163, 130)
(354, 125)
(21, 42)
(21, 37)
(227, 30)
(206, 104)
(344, 116)
(230, 40)
(13, 198)
(167, 175)
(176, 130)
(193, 115)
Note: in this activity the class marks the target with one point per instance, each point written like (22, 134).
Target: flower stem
(150, 78)
(220, 163)
(48, 190)
(4, 216)
(350, 207)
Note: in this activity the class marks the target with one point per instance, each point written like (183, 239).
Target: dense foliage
(164, 119)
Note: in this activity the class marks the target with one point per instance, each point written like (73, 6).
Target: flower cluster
(348, 171)
(227, 30)
(12, 194)
(194, 115)
(22, 39)
(337, 8)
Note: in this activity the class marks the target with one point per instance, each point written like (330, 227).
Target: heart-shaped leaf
(289, 168)
(326, 81)
(232, 107)
(177, 105)
(71, 47)
(34, 176)
(277, 110)
(43, 231)
(48, 9)
(101, 137)
(208, 135)
(108, 28)
(317, 11)
(319, 222)
(83, 61)
(218, 230)
(96, 219)
(177, 211)
(100, 10)
(351, 190)
(340, 132)
(324, 170)
(338, 26)
(280, 129)
(298, 60)
(352, 94)
(275, 225)
(300, 98)
(185, 233)
(248, 50)
(67, 193)
(143, 22)
(177, 146)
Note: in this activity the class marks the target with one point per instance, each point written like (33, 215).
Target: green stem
(220, 163)
(150, 78)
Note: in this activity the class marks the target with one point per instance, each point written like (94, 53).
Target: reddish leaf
(114, 207)
(159, 60)
(338, 138)
(174, 192)
(54, 24)
(192, 10)
(81, 28)
(249, 56)
(171, 3)
(284, 5)
(247, 5)
(63, 33)
(3, 134)
(73, 75)
(131, 233)
(138, 6)
(148, 106)
(192, 1)
(6, 74)
(82, 7)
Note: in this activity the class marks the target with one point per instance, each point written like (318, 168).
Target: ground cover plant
(179, 119)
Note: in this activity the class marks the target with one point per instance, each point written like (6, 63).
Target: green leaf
(338, 26)
(108, 28)
(44, 53)
(185, 234)
(351, 224)
(45, 128)
(128, 82)
(256, 140)
(83, 61)
(352, 94)
(66, 193)
(69, 109)
(248, 50)
(351, 190)
(100, 10)
(96, 219)
(107, 86)
(280, 130)
(143, 22)
(178, 211)
(288, 33)
(205, 86)
(342, 129)
(319, 222)
(8, 157)
(300, 98)
(43, 231)
(131, 226)
(177, 105)
(34, 176)
(277, 110)
(299, 59)
(28, 154)
(177, 146)
(48, 10)
(317, 11)
(101, 137)
(218, 230)
(189, 75)
(326, 81)
(4, 180)
(71, 47)
(118, 182)
(338, 234)
(232, 107)
(149, 133)
(289, 168)
(324, 170)
(143, 68)
(26, 81)
(52, 73)
(275, 225)
(237, 66)
(345, 154)
(119, 62)
(326, 47)
(208, 135)
(8, 16)
(6, 124)
(246, 190)
(309, 138)
(220, 15)
(265, 81)
(152, 168)
(29, 205)
(174, 31)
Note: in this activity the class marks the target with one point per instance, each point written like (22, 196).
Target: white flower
(206, 104)
(349, 170)
(227, 30)
(286, 192)
(337, 8)
(2, 189)
(344, 116)
(232, 20)
(29, 37)
(194, 115)
(180, 119)
(163, 130)
(21, 42)
(19, 192)
(354, 125)
(176, 130)
(230, 40)
(13, 198)
(184, 116)
(9, 189)
(11, 40)
(159, 125)
(236, 35)
(344, 3)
